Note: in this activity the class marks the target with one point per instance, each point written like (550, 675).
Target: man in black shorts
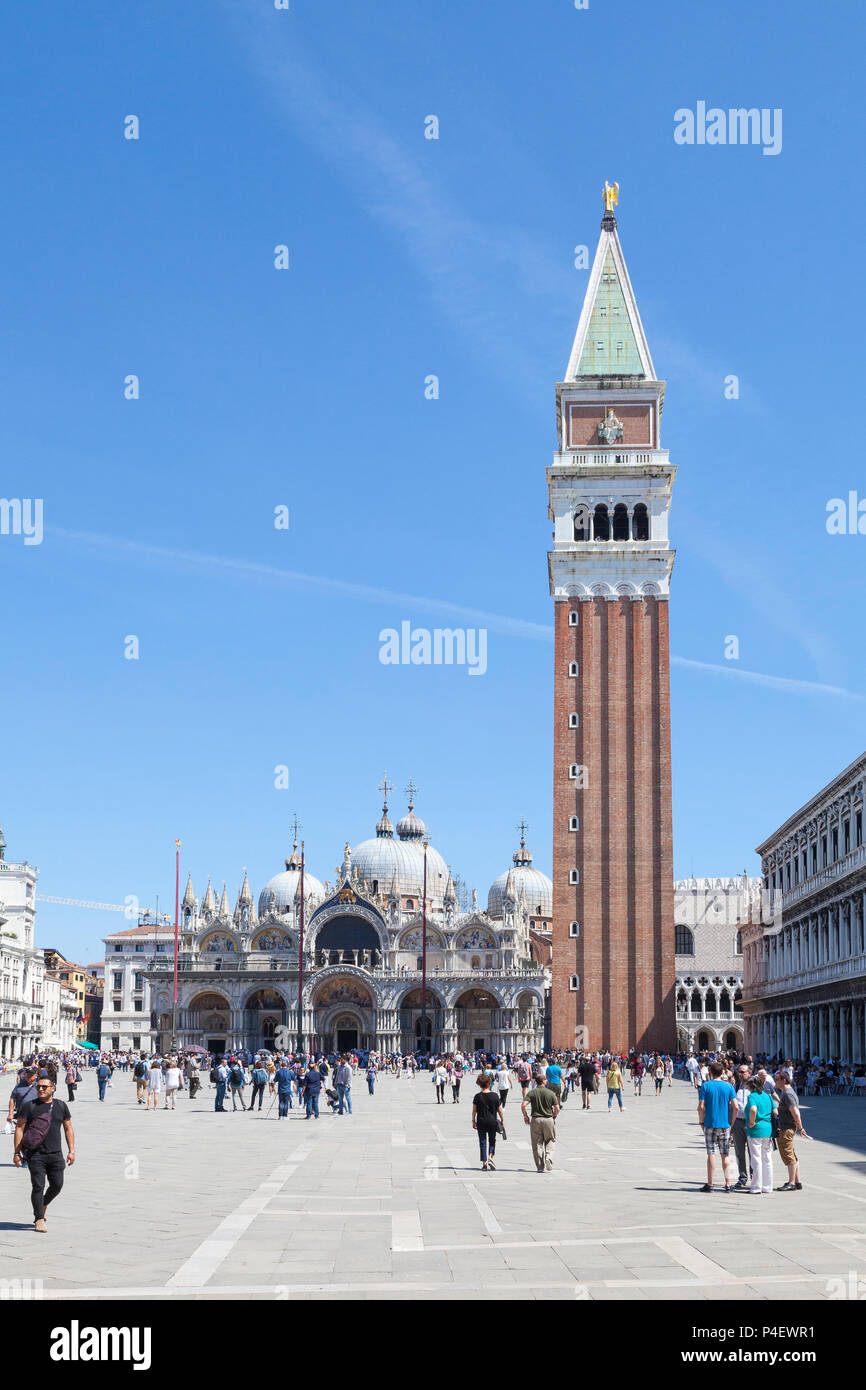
(45, 1158)
(587, 1080)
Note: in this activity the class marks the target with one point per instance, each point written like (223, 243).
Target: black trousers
(41, 1166)
(71, 1090)
(258, 1090)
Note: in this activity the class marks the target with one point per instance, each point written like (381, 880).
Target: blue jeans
(258, 1090)
(345, 1094)
(284, 1103)
(102, 1083)
(312, 1103)
(610, 1096)
(220, 1095)
(371, 1084)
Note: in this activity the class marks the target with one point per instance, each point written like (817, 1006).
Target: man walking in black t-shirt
(38, 1143)
(587, 1081)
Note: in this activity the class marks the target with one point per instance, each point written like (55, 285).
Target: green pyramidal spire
(610, 347)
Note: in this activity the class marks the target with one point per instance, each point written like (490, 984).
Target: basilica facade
(360, 962)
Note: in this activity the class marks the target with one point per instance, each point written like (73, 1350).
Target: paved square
(391, 1203)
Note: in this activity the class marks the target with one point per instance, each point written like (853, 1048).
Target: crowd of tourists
(748, 1108)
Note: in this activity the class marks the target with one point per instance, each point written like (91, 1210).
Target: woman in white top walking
(172, 1083)
(154, 1084)
(504, 1082)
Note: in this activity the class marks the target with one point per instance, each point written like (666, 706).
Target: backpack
(139, 1071)
(102, 1072)
(237, 1075)
(523, 1071)
(37, 1129)
(214, 1075)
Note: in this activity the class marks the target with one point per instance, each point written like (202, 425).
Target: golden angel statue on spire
(611, 196)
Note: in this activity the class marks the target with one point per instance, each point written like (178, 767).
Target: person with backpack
(524, 1075)
(237, 1081)
(139, 1076)
(38, 1145)
(259, 1077)
(103, 1076)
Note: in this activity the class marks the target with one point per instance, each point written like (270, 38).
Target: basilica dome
(537, 886)
(285, 886)
(385, 862)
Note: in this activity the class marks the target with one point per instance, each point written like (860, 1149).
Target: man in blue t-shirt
(717, 1110)
(554, 1079)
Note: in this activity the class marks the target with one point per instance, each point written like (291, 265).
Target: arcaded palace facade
(805, 952)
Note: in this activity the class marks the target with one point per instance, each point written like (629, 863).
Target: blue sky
(306, 388)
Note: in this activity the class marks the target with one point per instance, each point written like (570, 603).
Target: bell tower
(609, 494)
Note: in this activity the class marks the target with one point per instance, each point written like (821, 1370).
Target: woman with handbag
(71, 1080)
(486, 1118)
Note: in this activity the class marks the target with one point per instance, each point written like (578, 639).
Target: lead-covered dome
(525, 879)
(390, 865)
(285, 886)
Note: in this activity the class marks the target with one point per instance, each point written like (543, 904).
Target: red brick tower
(610, 566)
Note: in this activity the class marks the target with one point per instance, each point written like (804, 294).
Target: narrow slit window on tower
(641, 523)
(573, 617)
(573, 668)
(574, 929)
(573, 721)
(574, 822)
(574, 983)
(574, 875)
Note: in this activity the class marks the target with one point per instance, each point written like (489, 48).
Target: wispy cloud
(771, 682)
(228, 566)
(486, 279)
(273, 574)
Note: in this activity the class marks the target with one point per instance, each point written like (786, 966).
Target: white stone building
(709, 914)
(22, 968)
(805, 954)
(59, 1014)
(361, 956)
(126, 1006)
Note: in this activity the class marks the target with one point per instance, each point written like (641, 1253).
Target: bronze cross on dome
(411, 791)
(385, 787)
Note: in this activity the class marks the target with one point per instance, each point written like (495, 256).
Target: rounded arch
(209, 1001)
(734, 1038)
(411, 999)
(273, 939)
(326, 986)
(411, 939)
(704, 1040)
(475, 998)
(640, 524)
(601, 523)
(531, 999)
(476, 938)
(265, 997)
(684, 940)
(344, 921)
(620, 522)
(218, 941)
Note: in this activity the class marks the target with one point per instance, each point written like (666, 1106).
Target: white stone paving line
(204, 1261)
(279, 1290)
(694, 1260)
(406, 1231)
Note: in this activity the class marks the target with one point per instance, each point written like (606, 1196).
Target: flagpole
(176, 921)
(301, 962)
(424, 954)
